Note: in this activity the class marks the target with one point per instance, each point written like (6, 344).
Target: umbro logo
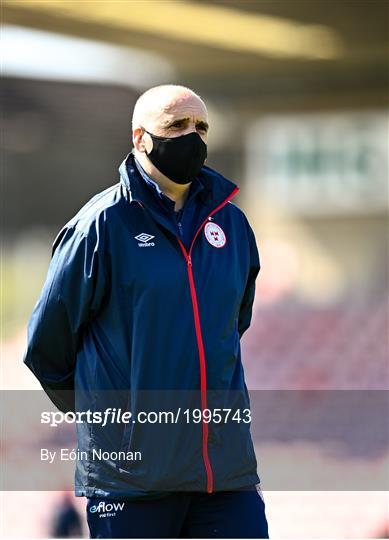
(144, 240)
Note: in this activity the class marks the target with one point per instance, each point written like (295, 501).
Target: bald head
(157, 103)
(166, 111)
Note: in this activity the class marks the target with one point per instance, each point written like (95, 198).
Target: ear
(137, 139)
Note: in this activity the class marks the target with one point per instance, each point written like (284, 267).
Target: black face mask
(178, 158)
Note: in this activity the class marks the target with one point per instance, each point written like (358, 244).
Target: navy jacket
(130, 318)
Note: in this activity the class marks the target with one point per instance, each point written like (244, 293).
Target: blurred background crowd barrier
(297, 92)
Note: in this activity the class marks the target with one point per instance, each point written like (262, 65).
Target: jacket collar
(195, 187)
(216, 188)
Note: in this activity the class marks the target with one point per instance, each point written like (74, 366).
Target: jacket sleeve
(71, 296)
(246, 306)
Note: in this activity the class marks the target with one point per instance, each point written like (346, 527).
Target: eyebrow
(201, 123)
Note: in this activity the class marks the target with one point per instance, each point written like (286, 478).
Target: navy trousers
(227, 514)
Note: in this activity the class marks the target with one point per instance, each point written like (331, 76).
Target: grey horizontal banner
(311, 440)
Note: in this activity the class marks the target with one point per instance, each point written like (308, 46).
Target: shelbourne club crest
(215, 235)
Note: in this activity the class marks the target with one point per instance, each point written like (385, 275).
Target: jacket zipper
(200, 344)
(180, 229)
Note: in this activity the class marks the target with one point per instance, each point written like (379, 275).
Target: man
(149, 290)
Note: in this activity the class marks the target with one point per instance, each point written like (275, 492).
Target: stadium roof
(234, 41)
